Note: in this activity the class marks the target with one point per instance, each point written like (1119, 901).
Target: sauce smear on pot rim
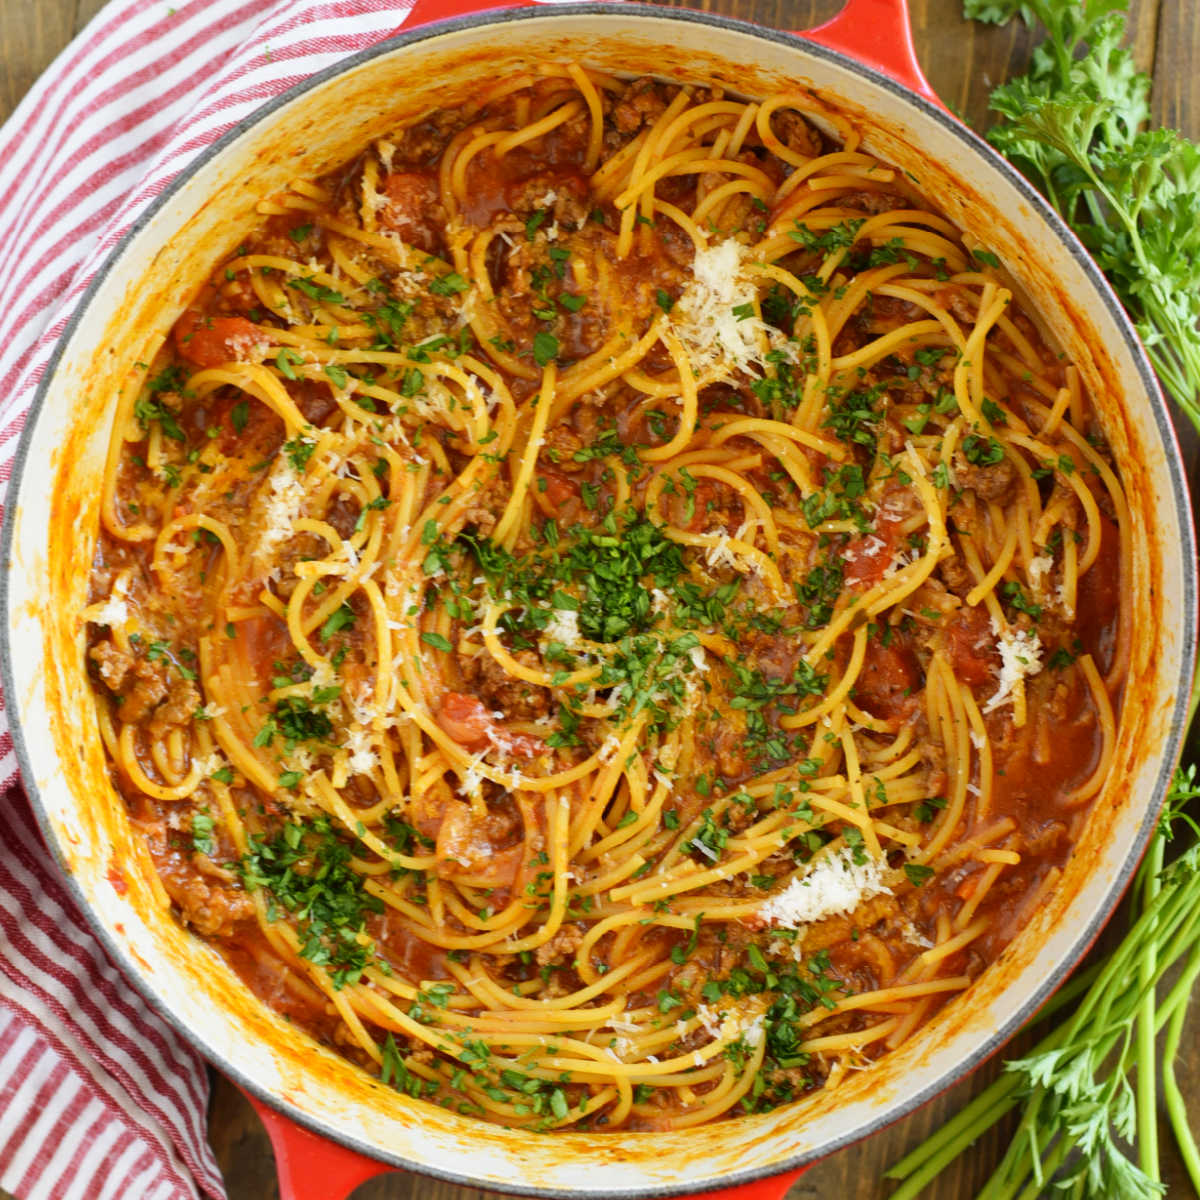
(606, 611)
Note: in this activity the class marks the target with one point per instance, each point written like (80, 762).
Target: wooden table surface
(962, 61)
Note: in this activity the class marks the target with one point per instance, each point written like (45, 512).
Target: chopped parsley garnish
(449, 285)
(545, 348)
(819, 591)
(837, 237)
(387, 322)
(853, 417)
(299, 719)
(341, 618)
(306, 869)
(981, 451)
(286, 360)
(299, 451)
(148, 410)
(316, 291)
(202, 832)
(1014, 593)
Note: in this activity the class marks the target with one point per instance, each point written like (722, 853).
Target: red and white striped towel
(98, 1098)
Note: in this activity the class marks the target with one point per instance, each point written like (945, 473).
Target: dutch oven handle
(875, 32)
(313, 1168)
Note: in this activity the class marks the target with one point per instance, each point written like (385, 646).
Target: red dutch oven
(333, 1126)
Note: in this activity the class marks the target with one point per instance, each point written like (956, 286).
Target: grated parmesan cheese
(472, 778)
(360, 743)
(609, 749)
(300, 760)
(917, 461)
(1020, 657)
(722, 554)
(731, 1025)
(209, 764)
(283, 505)
(622, 1024)
(1038, 569)
(114, 612)
(323, 675)
(835, 885)
(710, 1019)
(564, 627)
(902, 559)
(621, 1048)
(704, 319)
(246, 347)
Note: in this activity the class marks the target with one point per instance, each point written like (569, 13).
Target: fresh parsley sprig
(1076, 125)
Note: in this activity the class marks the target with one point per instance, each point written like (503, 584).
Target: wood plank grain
(85, 10)
(30, 36)
(1177, 75)
(963, 61)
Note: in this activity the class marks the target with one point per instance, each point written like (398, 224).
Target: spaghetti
(606, 611)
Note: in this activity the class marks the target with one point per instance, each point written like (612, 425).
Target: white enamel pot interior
(52, 524)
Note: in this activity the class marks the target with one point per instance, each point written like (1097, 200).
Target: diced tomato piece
(707, 506)
(890, 678)
(520, 745)
(465, 848)
(468, 722)
(209, 342)
(264, 641)
(411, 196)
(974, 658)
(691, 508)
(558, 489)
(465, 719)
(866, 558)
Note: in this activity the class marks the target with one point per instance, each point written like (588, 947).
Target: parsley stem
(1074, 1087)
(1050, 1164)
(984, 1111)
(936, 1154)
(1177, 1112)
(1147, 1101)
(1177, 998)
